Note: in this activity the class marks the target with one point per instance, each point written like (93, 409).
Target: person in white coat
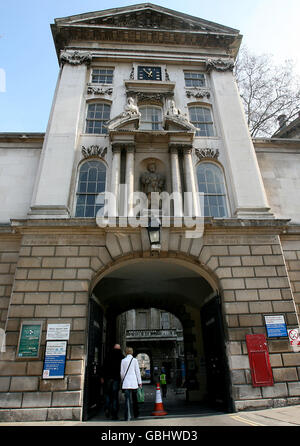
(131, 381)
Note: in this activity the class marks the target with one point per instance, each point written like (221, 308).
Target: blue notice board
(276, 326)
(55, 360)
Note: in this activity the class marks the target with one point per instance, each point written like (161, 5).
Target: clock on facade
(150, 73)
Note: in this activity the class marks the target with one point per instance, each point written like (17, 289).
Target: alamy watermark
(141, 210)
(2, 81)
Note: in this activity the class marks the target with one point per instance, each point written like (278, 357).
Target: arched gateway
(180, 286)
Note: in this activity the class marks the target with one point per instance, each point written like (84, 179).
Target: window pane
(102, 76)
(81, 200)
(194, 79)
(213, 186)
(97, 116)
(95, 173)
(202, 120)
(82, 187)
(151, 118)
(89, 211)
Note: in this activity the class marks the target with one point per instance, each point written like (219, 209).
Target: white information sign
(58, 332)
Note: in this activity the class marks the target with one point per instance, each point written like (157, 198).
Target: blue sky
(28, 60)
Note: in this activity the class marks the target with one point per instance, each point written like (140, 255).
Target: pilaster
(51, 192)
(249, 197)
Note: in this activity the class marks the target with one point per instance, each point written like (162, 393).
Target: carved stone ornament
(176, 116)
(219, 65)
(148, 96)
(197, 93)
(75, 57)
(131, 113)
(93, 150)
(207, 153)
(98, 90)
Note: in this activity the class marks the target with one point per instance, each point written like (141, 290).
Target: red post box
(261, 370)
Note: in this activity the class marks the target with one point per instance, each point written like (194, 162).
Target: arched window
(211, 183)
(91, 182)
(97, 115)
(202, 119)
(151, 117)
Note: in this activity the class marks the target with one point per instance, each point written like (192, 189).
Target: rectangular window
(202, 119)
(97, 116)
(194, 79)
(165, 321)
(102, 76)
(141, 320)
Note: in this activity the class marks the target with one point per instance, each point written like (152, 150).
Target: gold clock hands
(149, 74)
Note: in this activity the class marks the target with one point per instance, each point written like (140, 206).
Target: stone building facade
(145, 85)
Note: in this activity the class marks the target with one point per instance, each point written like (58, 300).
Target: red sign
(261, 371)
(294, 336)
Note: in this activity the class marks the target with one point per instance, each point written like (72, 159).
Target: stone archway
(177, 284)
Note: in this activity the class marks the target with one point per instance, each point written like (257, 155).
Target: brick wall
(52, 281)
(9, 253)
(51, 285)
(255, 282)
(291, 251)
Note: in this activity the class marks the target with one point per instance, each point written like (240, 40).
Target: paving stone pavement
(181, 413)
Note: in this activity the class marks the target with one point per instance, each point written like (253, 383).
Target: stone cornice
(22, 137)
(63, 35)
(145, 23)
(226, 227)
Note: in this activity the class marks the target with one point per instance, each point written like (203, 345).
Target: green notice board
(29, 340)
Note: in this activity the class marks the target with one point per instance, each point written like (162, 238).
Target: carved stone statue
(152, 181)
(175, 116)
(172, 110)
(131, 112)
(131, 108)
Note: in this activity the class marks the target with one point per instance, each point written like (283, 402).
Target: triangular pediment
(145, 16)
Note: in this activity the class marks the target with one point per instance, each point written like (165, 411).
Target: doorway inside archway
(156, 336)
(139, 288)
(145, 367)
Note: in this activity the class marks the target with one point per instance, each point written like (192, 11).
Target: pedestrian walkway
(182, 413)
(175, 405)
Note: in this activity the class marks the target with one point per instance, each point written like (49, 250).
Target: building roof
(144, 23)
(288, 130)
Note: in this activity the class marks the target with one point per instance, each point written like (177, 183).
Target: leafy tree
(267, 91)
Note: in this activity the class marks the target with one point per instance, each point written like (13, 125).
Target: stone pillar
(191, 205)
(115, 174)
(129, 177)
(249, 197)
(52, 187)
(176, 180)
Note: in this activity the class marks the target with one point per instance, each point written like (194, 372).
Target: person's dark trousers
(115, 386)
(112, 397)
(164, 390)
(131, 394)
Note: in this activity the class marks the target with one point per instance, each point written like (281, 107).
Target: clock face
(149, 73)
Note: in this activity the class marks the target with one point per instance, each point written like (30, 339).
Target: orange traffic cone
(158, 408)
